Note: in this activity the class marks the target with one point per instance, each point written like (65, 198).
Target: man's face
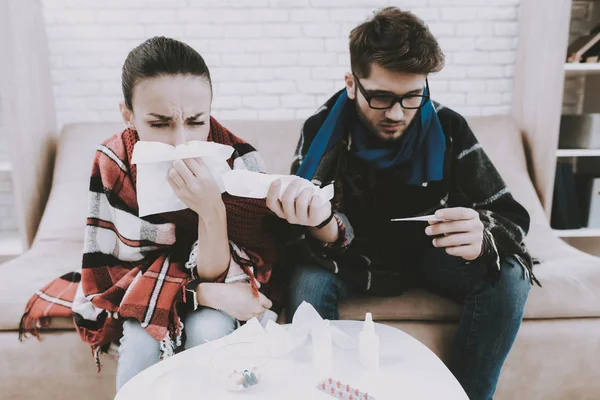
(387, 125)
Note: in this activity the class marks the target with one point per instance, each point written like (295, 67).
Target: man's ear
(127, 115)
(350, 86)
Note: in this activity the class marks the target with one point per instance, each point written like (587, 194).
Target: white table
(408, 370)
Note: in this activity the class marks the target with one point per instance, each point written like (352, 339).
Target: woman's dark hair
(395, 40)
(160, 56)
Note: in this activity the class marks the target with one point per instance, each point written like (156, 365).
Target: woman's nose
(180, 135)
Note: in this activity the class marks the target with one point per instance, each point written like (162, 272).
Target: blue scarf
(419, 154)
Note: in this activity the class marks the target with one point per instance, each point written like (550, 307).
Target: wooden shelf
(582, 68)
(583, 232)
(578, 153)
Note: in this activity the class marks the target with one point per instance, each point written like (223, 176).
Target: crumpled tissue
(279, 340)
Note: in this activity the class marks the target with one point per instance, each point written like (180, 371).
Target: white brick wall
(271, 59)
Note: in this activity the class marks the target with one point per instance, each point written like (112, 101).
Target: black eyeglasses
(387, 101)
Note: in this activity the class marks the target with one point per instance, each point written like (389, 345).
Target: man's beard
(376, 133)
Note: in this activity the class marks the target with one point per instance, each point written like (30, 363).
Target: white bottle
(368, 346)
(322, 349)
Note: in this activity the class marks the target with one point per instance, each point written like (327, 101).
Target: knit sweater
(368, 199)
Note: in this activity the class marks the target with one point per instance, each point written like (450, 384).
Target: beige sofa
(556, 354)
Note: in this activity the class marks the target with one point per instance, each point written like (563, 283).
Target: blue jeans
(490, 319)
(139, 350)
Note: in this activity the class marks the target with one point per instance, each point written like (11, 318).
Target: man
(393, 153)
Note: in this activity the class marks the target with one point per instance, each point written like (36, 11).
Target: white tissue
(280, 340)
(306, 317)
(154, 159)
(254, 185)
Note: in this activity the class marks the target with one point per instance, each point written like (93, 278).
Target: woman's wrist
(207, 294)
(215, 212)
(214, 255)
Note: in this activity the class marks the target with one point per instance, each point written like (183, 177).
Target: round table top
(408, 369)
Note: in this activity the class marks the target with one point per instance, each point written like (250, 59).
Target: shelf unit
(565, 153)
(573, 69)
(578, 233)
(544, 30)
(590, 74)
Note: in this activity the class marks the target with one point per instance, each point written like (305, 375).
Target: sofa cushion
(66, 210)
(23, 276)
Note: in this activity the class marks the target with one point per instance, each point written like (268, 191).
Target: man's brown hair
(395, 40)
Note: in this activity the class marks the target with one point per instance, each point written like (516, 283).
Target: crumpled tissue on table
(281, 340)
(154, 159)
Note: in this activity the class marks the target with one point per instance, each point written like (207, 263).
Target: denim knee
(514, 285)
(206, 324)
(317, 286)
(138, 351)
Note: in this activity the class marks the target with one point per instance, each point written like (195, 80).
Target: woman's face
(171, 109)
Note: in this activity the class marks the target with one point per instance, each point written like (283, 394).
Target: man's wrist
(330, 233)
(326, 221)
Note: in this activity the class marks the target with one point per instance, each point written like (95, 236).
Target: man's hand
(194, 185)
(298, 206)
(463, 232)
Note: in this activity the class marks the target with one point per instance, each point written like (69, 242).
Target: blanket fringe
(96, 354)
(246, 265)
(30, 325)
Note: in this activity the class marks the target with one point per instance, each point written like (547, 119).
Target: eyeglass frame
(396, 99)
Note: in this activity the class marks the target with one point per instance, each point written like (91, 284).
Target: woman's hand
(463, 232)
(235, 299)
(194, 185)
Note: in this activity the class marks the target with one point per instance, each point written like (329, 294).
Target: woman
(160, 277)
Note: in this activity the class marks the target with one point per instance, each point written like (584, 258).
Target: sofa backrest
(65, 215)
(503, 142)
